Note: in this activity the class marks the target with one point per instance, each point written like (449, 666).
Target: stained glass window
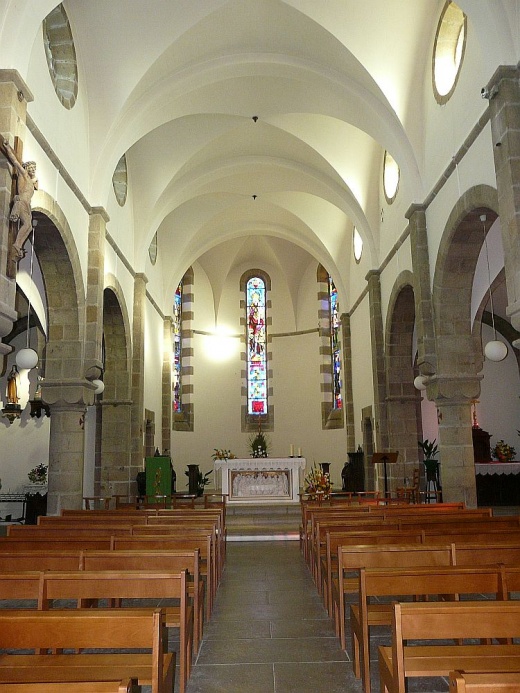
(335, 345)
(256, 346)
(177, 349)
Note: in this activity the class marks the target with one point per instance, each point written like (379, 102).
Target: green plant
(38, 475)
(259, 444)
(503, 452)
(202, 480)
(430, 448)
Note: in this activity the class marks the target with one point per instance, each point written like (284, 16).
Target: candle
(299, 452)
(291, 451)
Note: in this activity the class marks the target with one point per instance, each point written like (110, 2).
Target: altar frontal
(261, 480)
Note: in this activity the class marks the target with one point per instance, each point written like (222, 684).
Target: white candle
(291, 451)
(299, 452)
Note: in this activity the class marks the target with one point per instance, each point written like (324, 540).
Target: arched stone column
(137, 418)
(378, 360)
(348, 396)
(403, 399)
(504, 106)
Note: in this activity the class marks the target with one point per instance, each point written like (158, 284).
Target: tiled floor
(269, 632)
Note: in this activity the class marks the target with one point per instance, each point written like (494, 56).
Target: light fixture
(420, 382)
(99, 385)
(28, 358)
(495, 350)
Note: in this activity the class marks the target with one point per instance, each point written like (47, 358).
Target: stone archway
(459, 358)
(65, 388)
(113, 433)
(403, 399)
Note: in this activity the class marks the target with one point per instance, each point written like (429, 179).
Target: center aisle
(269, 632)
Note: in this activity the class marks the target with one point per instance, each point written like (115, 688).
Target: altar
(261, 479)
(498, 483)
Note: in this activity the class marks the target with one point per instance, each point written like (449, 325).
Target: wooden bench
(499, 682)
(352, 558)
(100, 629)
(19, 560)
(333, 540)
(172, 561)
(426, 621)
(165, 543)
(403, 584)
(88, 587)
(126, 686)
(50, 544)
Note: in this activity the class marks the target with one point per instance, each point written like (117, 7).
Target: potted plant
(38, 475)
(202, 480)
(430, 450)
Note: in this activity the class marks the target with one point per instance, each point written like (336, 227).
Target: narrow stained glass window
(177, 350)
(335, 345)
(256, 346)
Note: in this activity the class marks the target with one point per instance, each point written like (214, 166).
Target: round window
(448, 51)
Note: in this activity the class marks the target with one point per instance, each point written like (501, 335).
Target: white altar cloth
(261, 479)
(486, 468)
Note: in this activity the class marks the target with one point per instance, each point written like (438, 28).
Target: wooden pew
(126, 686)
(352, 558)
(100, 629)
(172, 561)
(406, 583)
(50, 544)
(165, 543)
(86, 587)
(20, 586)
(486, 553)
(333, 540)
(448, 621)
(24, 560)
(461, 682)
(50, 531)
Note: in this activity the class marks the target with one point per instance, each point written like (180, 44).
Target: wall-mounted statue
(26, 184)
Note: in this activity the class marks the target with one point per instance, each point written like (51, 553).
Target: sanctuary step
(263, 522)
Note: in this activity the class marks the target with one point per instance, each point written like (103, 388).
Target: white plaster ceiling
(175, 84)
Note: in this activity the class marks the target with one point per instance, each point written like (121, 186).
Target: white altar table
(261, 479)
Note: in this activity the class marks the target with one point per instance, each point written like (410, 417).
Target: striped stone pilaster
(348, 397)
(184, 421)
(504, 105)
(137, 385)
(426, 359)
(378, 360)
(94, 295)
(166, 388)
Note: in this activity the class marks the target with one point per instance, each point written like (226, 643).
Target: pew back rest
(125, 686)
(393, 556)
(487, 553)
(499, 682)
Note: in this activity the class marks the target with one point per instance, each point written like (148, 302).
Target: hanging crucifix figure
(21, 214)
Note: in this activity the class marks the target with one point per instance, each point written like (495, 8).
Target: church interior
(255, 246)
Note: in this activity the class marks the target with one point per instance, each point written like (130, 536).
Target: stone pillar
(115, 447)
(504, 105)
(348, 397)
(14, 96)
(94, 295)
(378, 360)
(426, 359)
(457, 465)
(66, 452)
(167, 418)
(137, 386)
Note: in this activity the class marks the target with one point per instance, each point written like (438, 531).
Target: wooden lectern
(385, 458)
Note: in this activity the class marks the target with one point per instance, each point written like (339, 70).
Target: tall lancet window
(177, 350)
(335, 345)
(256, 322)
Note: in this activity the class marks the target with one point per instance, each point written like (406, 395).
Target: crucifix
(23, 185)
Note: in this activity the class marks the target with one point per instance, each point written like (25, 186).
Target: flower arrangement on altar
(318, 485)
(222, 454)
(259, 444)
(503, 452)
